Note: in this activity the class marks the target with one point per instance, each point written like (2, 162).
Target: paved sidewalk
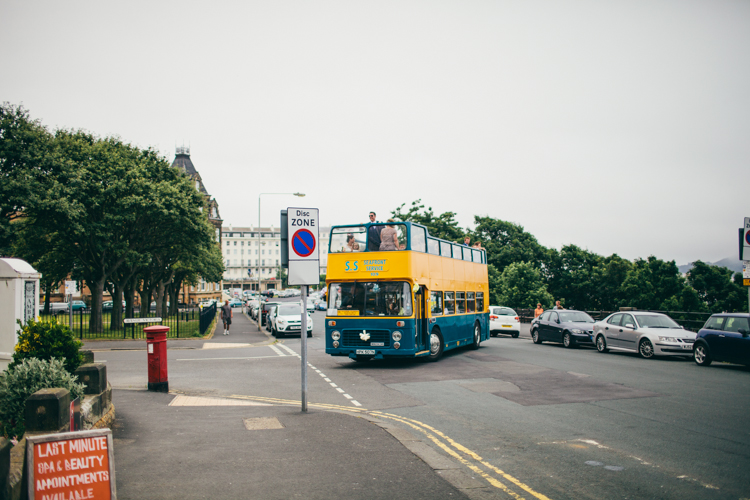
(177, 446)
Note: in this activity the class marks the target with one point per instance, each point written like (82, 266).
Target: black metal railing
(690, 320)
(182, 324)
(207, 316)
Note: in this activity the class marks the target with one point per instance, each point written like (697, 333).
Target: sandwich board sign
(71, 465)
(303, 246)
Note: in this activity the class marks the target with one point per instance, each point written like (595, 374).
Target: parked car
(287, 320)
(235, 303)
(320, 305)
(78, 305)
(569, 327)
(648, 334)
(310, 305)
(724, 337)
(270, 316)
(264, 311)
(107, 305)
(504, 320)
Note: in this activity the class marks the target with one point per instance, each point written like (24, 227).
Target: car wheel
(701, 355)
(601, 345)
(436, 345)
(567, 341)
(477, 336)
(535, 337)
(515, 335)
(646, 349)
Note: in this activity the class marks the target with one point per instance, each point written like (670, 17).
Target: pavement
(184, 446)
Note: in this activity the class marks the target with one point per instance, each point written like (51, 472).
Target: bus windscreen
(371, 298)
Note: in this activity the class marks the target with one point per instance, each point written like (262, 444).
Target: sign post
(71, 288)
(304, 268)
(745, 257)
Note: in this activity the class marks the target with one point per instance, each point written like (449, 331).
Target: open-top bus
(428, 296)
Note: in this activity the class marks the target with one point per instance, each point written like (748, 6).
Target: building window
(235, 243)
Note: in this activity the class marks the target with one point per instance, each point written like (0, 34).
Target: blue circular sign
(747, 237)
(303, 243)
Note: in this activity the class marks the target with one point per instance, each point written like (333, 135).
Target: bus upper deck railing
(408, 236)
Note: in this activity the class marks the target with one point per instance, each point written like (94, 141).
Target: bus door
(420, 309)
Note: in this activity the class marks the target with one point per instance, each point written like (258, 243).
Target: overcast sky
(619, 126)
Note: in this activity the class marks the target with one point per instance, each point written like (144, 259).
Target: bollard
(156, 342)
(93, 376)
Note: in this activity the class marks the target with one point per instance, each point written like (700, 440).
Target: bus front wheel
(436, 345)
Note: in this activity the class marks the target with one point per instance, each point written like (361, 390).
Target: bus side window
(457, 252)
(445, 249)
(450, 303)
(460, 302)
(436, 303)
(433, 246)
(470, 302)
(418, 238)
(480, 301)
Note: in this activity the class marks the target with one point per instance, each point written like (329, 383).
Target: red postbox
(156, 342)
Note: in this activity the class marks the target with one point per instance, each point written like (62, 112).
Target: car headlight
(396, 335)
(667, 339)
(577, 331)
(335, 335)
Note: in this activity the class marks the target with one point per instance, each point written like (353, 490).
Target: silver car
(648, 334)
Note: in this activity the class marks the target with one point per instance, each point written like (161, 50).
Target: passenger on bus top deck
(467, 241)
(478, 245)
(389, 238)
(351, 244)
(373, 234)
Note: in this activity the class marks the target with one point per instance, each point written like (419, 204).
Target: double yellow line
(493, 475)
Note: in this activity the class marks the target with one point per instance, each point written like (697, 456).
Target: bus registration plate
(366, 351)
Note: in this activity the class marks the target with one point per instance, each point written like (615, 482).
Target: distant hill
(730, 262)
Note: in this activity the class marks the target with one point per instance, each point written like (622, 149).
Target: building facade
(245, 254)
(193, 294)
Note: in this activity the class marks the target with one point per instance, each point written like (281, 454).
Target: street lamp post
(260, 310)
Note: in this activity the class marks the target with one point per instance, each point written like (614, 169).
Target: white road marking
(355, 403)
(340, 390)
(222, 359)
(276, 350)
(333, 385)
(289, 350)
(182, 400)
(327, 379)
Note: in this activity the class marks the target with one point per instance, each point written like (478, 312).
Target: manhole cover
(255, 424)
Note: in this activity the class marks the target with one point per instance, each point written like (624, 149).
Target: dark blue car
(724, 337)
(571, 328)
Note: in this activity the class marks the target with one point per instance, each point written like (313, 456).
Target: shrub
(47, 340)
(23, 380)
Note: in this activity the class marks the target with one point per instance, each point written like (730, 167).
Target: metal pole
(303, 340)
(70, 311)
(260, 304)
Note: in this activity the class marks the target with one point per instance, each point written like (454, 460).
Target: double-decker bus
(426, 297)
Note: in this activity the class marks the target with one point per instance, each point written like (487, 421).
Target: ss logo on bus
(351, 266)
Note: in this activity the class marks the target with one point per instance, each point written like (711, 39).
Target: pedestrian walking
(226, 316)
(539, 310)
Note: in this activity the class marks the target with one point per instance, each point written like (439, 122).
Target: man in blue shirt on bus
(373, 235)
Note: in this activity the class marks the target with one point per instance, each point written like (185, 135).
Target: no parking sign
(304, 259)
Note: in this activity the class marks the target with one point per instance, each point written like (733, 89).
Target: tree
(24, 163)
(654, 284)
(607, 279)
(442, 226)
(521, 286)
(570, 276)
(507, 243)
(716, 289)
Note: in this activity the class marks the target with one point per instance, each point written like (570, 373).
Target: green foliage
(521, 286)
(507, 243)
(47, 340)
(716, 289)
(23, 380)
(570, 276)
(442, 226)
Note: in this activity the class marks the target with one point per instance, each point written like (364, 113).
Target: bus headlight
(396, 336)
(396, 345)
(335, 343)
(335, 335)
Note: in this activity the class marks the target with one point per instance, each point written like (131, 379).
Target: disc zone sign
(303, 243)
